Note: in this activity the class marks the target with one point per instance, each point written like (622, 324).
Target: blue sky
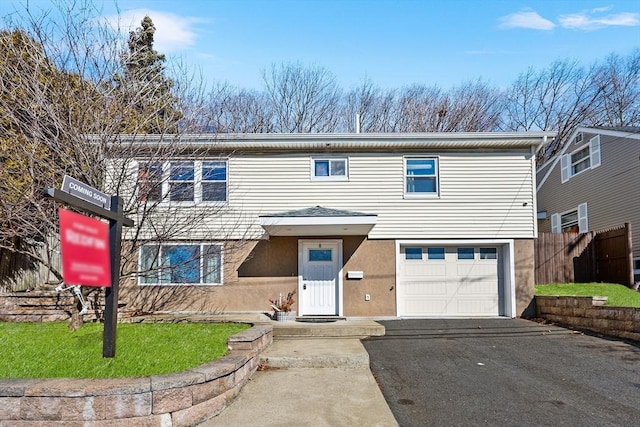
(393, 43)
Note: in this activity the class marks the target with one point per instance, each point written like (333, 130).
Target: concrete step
(319, 319)
(337, 329)
(348, 353)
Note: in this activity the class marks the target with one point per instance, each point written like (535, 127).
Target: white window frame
(582, 219)
(579, 162)
(415, 194)
(158, 282)
(170, 181)
(166, 181)
(579, 137)
(148, 182)
(329, 160)
(199, 185)
(567, 164)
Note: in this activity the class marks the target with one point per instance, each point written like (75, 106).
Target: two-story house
(593, 183)
(359, 225)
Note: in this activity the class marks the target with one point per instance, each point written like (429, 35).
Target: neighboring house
(359, 225)
(593, 184)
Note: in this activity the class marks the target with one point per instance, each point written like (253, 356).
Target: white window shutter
(555, 223)
(583, 222)
(594, 151)
(565, 162)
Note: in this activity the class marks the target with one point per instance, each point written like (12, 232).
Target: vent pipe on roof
(357, 123)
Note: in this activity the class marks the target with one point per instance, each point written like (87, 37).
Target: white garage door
(449, 281)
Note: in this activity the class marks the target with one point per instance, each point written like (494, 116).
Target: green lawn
(617, 295)
(51, 350)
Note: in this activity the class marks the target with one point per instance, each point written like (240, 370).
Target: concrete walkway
(310, 381)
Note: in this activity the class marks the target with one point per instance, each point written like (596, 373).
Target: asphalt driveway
(504, 372)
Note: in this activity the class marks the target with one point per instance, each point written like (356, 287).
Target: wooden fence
(602, 256)
(17, 273)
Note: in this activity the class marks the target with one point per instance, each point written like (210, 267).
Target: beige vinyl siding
(481, 195)
(611, 190)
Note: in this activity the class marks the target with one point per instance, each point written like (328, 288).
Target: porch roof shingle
(316, 211)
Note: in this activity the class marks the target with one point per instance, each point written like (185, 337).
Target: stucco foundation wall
(181, 399)
(591, 314)
(524, 262)
(377, 260)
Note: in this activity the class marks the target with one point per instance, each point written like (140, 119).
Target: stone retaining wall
(591, 314)
(179, 399)
(46, 305)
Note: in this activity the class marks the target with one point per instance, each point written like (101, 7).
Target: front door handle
(304, 287)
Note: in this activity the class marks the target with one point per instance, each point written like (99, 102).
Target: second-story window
(183, 181)
(330, 168)
(150, 182)
(421, 176)
(580, 160)
(214, 181)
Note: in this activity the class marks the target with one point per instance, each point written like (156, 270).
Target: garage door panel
(436, 270)
(479, 288)
(476, 270)
(425, 288)
(422, 269)
(413, 269)
(476, 307)
(466, 287)
(420, 306)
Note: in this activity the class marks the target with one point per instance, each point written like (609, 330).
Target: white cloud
(587, 20)
(526, 19)
(173, 32)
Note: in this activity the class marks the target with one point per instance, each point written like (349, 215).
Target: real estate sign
(85, 250)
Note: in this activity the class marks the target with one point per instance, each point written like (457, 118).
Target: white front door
(319, 263)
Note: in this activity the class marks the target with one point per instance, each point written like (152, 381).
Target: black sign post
(93, 201)
(111, 293)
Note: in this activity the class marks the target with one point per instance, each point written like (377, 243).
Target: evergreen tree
(149, 101)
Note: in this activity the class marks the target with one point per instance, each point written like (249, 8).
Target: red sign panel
(84, 243)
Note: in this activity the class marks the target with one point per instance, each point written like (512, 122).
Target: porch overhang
(318, 221)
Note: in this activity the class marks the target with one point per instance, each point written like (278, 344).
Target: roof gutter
(341, 141)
